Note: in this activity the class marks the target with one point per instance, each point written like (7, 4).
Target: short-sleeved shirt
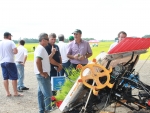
(83, 48)
(56, 56)
(6, 51)
(41, 52)
(112, 45)
(63, 51)
(22, 52)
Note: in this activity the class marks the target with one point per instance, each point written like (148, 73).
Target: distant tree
(116, 39)
(88, 39)
(146, 36)
(15, 41)
(31, 40)
(66, 40)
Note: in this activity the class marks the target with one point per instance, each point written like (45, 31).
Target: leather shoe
(24, 88)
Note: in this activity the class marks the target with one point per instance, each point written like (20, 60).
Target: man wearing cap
(78, 50)
(9, 69)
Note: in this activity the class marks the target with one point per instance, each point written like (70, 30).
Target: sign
(57, 82)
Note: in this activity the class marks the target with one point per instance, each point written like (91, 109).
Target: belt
(19, 62)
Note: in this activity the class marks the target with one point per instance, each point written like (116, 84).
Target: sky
(99, 19)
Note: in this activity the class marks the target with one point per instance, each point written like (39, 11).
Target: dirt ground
(28, 103)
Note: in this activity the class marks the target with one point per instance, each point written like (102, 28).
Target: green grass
(30, 57)
(145, 55)
(29, 47)
(103, 46)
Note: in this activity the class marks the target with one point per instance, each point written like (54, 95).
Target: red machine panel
(131, 44)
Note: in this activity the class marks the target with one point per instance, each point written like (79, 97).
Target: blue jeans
(65, 65)
(20, 69)
(44, 93)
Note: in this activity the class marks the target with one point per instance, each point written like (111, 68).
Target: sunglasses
(46, 39)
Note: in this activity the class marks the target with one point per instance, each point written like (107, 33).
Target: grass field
(103, 46)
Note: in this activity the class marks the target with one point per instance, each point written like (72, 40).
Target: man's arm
(88, 55)
(89, 52)
(59, 56)
(70, 56)
(15, 50)
(39, 66)
(25, 58)
(52, 54)
(52, 61)
(60, 60)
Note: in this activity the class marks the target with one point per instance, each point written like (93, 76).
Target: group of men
(49, 60)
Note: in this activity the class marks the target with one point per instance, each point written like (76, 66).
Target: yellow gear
(96, 71)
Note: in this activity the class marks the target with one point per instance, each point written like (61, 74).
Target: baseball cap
(77, 31)
(6, 34)
(71, 38)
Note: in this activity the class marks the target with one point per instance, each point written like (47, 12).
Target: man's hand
(53, 50)
(59, 68)
(82, 57)
(76, 56)
(44, 74)
(22, 64)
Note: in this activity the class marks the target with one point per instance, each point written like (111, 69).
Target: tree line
(33, 40)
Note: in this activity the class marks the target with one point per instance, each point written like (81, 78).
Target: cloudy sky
(99, 19)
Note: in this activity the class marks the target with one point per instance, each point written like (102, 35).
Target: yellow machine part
(95, 72)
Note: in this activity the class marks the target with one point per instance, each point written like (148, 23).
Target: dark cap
(77, 31)
(6, 34)
(71, 38)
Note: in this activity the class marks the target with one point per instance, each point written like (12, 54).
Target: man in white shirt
(63, 51)
(9, 69)
(42, 71)
(20, 59)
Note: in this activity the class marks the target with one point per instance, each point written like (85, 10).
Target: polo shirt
(56, 56)
(41, 52)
